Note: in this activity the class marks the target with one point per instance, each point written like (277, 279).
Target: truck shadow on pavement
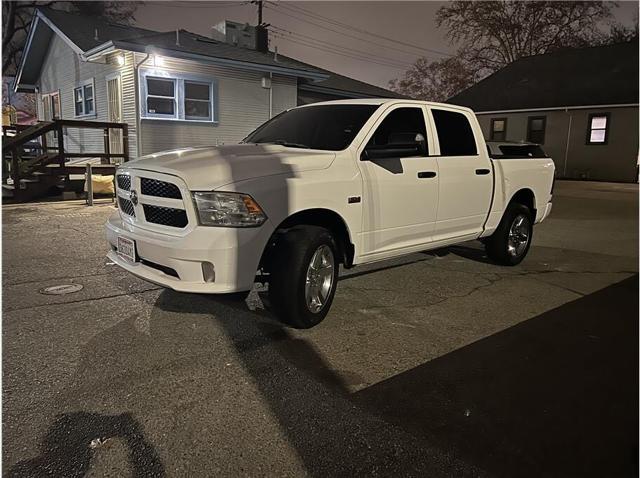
(310, 400)
(65, 450)
(554, 395)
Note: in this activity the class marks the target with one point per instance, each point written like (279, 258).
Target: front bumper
(234, 253)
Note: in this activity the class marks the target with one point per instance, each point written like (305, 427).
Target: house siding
(241, 101)
(614, 161)
(63, 70)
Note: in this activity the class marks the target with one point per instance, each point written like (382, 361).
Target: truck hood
(212, 167)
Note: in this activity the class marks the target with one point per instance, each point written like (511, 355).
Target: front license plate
(127, 248)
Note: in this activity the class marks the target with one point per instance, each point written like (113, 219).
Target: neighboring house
(18, 107)
(580, 104)
(173, 89)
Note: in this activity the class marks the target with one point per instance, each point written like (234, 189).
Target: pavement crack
(35, 281)
(91, 299)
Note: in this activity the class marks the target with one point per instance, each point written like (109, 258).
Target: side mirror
(399, 147)
(422, 144)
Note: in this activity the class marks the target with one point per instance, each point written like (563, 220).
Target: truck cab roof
(389, 101)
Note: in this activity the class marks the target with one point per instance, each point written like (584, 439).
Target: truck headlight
(228, 209)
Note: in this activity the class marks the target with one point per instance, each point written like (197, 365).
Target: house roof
(90, 36)
(341, 85)
(603, 75)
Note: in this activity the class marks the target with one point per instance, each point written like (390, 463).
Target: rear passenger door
(465, 172)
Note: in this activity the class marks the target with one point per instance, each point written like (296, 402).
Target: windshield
(328, 127)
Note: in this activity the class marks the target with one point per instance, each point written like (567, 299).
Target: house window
(197, 100)
(498, 129)
(51, 106)
(161, 97)
(598, 132)
(176, 97)
(535, 129)
(84, 102)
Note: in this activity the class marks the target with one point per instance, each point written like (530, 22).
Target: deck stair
(32, 167)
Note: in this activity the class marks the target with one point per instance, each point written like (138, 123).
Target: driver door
(400, 185)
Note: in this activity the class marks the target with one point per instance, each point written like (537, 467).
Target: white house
(173, 89)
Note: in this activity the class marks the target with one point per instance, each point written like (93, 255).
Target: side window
(498, 129)
(197, 100)
(83, 99)
(454, 133)
(402, 127)
(535, 129)
(178, 97)
(598, 131)
(161, 96)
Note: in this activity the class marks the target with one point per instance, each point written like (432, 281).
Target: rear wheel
(303, 276)
(510, 242)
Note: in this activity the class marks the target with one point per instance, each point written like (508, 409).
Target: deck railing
(29, 148)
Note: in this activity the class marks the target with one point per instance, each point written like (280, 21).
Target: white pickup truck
(342, 182)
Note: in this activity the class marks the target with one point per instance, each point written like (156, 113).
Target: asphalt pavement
(437, 364)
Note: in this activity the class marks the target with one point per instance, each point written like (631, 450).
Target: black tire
(498, 246)
(288, 274)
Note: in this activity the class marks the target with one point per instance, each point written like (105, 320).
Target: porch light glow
(158, 60)
(120, 60)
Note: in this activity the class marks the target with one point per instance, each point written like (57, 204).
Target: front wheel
(511, 241)
(303, 276)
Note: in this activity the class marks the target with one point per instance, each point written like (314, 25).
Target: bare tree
(492, 34)
(17, 17)
(621, 34)
(436, 80)
(495, 33)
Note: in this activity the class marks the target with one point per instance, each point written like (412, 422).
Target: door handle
(482, 172)
(426, 174)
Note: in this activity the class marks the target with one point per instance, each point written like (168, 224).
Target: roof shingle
(603, 75)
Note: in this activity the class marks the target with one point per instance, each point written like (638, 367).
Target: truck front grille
(126, 206)
(162, 189)
(124, 182)
(165, 216)
(153, 199)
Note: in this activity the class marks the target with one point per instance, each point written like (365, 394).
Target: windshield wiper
(283, 142)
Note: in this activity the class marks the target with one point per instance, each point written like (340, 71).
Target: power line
(345, 49)
(208, 4)
(335, 52)
(302, 11)
(341, 33)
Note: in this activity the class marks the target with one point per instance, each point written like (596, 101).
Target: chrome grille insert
(124, 182)
(165, 216)
(153, 187)
(126, 206)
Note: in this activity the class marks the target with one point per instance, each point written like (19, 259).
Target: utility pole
(259, 4)
(262, 36)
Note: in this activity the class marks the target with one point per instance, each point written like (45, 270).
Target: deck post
(125, 142)
(107, 148)
(15, 171)
(89, 182)
(61, 157)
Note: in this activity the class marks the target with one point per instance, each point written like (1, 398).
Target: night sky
(379, 60)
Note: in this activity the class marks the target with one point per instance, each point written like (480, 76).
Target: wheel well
(526, 198)
(317, 217)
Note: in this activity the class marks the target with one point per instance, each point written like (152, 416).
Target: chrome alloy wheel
(319, 278)
(519, 235)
